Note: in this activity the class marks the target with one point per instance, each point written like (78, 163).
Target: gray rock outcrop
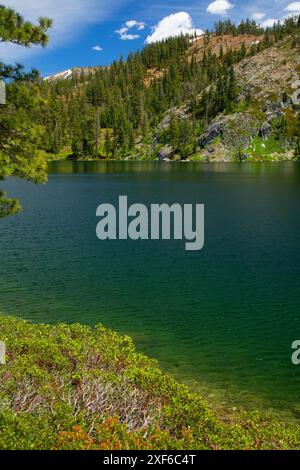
(265, 130)
(179, 113)
(235, 131)
(166, 153)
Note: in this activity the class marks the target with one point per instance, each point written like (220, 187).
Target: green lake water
(222, 319)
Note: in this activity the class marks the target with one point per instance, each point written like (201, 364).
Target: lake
(222, 319)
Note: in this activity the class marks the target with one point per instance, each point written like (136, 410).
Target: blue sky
(95, 32)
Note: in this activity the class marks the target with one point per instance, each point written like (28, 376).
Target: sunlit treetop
(14, 29)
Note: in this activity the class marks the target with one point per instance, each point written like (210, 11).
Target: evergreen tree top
(14, 29)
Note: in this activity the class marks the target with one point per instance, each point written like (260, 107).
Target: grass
(198, 157)
(73, 387)
(264, 149)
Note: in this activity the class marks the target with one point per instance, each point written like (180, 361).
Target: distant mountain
(74, 72)
(60, 76)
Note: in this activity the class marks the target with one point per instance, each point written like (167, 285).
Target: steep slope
(270, 73)
(224, 43)
(265, 118)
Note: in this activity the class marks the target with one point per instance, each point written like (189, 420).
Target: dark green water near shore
(222, 319)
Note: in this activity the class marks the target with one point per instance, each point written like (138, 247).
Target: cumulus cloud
(293, 7)
(219, 7)
(258, 16)
(125, 36)
(124, 33)
(70, 18)
(269, 23)
(98, 48)
(140, 25)
(173, 25)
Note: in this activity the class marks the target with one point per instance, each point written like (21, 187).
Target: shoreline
(51, 368)
(102, 160)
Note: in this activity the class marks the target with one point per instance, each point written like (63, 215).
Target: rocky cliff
(268, 99)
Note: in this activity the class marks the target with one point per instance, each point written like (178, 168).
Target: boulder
(296, 97)
(296, 84)
(217, 153)
(214, 131)
(265, 130)
(166, 153)
(273, 109)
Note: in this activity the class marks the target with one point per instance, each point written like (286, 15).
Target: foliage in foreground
(20, 138)
(73, 387)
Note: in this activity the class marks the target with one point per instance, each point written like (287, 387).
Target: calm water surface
(222, 319)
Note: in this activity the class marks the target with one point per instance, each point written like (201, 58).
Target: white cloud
(98, 48)
(293, 7)
(130, 24)
(140, 25)
(125, 36)
(129, 37)
(269, 23)
(173, 25)
(258, 16)
(70, 18)
(219, 7)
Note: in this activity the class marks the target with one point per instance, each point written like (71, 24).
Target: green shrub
(73, 387)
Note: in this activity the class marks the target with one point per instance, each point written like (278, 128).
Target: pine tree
(243, 51)
(221, 54)
(107, 143)
(231, 90)
(19, 138)
(97, 132)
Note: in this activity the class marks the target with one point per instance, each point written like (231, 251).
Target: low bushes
(73, 387)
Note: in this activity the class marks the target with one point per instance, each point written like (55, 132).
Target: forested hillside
(183, 98)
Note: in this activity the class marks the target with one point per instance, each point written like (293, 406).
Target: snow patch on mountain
(60, 76)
